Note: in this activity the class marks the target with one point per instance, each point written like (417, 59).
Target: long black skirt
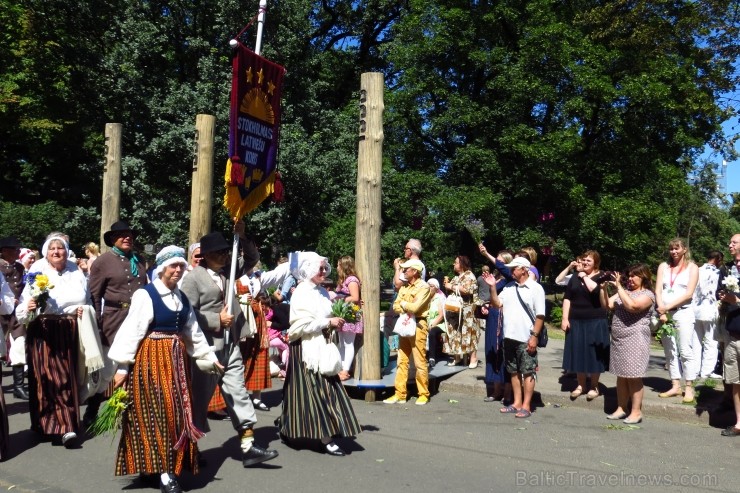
(314, 406)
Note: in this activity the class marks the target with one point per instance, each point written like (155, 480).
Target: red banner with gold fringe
(254, 125)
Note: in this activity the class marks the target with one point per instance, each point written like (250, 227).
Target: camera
(605, 276)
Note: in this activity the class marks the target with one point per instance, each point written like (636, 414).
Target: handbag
(542, 338)
(405, 325)
(330, 362)
(454, 302)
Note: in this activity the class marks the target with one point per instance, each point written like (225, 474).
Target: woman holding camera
(585, 326)
(630, 347)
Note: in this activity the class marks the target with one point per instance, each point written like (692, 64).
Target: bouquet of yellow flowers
(40, 287)
(350, 312)
(110, 417)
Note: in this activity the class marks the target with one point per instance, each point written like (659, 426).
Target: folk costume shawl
(310, 311)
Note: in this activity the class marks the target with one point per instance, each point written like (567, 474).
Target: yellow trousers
(415, 346)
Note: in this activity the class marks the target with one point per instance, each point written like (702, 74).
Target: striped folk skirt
(158, 434)
(52, 348)
(314, 406)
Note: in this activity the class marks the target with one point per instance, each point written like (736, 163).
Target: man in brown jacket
(114, 276)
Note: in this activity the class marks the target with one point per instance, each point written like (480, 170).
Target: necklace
(673, 277)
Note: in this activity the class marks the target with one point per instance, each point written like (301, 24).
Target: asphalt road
(455, 443)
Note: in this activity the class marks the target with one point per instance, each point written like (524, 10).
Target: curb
(705, 413)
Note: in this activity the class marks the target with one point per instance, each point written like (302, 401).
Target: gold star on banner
(260, 76)
(270, 88)
(249, 75)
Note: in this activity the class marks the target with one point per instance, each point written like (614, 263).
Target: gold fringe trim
(233, 200)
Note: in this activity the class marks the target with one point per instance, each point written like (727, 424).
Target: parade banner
(254, 125)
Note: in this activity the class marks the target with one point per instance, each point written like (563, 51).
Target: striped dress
(158, 435)
(315, 406)
(52, 349)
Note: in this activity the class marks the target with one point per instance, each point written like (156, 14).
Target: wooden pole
(111, 206)
(201, 198)
(367, 229)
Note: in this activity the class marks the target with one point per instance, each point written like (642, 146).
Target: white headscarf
(169, 255)
(47, 243)
(308, 265)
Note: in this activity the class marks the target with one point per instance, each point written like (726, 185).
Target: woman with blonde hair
(92, 251)
(674, 292)
(348, 288)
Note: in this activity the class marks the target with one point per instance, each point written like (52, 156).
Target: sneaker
(394, 400)
(715, 376)
(432, 363)
(422, 400)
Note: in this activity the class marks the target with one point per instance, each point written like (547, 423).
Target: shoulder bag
(542, 336)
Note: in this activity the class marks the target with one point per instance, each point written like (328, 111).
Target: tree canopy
(561, 125)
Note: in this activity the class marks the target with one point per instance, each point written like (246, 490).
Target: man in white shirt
(523, 303)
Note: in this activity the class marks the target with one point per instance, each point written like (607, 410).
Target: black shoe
(258, 404)
(218, 415)
(20, 393)
(70, 440)
(257, 455)
(172, 486)
(333, 449)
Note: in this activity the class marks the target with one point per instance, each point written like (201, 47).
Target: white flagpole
(260, 25)
(235, 247)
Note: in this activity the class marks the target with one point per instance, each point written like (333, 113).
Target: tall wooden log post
(367, 229)
(111, 206)
(201, 199)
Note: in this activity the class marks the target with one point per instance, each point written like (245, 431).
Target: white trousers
(683, 352)
(347, 349)
(709, 346)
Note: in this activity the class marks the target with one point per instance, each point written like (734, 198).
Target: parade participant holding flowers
(158, 435)
(62, 342)
(315, 404)
(348, 289)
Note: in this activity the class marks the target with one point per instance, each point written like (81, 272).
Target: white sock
(165, 478)
(332, 447)
(246, 443)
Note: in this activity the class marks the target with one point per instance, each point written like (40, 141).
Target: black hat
(117, 227)
(213, 242)
(10, 242)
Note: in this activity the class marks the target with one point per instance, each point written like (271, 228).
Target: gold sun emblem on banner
(257, 104)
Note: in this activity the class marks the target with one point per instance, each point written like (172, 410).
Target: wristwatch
(532, 333)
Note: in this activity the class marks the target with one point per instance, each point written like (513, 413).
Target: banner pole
(235, 247)
(260, 24)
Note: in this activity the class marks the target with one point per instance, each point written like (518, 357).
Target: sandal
(576, 393)
(730, 431)
(674, 392)
(592, 394)
(509, 410)
(490, 398)
(523, 413)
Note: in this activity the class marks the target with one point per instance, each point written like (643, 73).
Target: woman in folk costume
(315, 404)
(62, 342)
(7, 304)
(158, 435)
